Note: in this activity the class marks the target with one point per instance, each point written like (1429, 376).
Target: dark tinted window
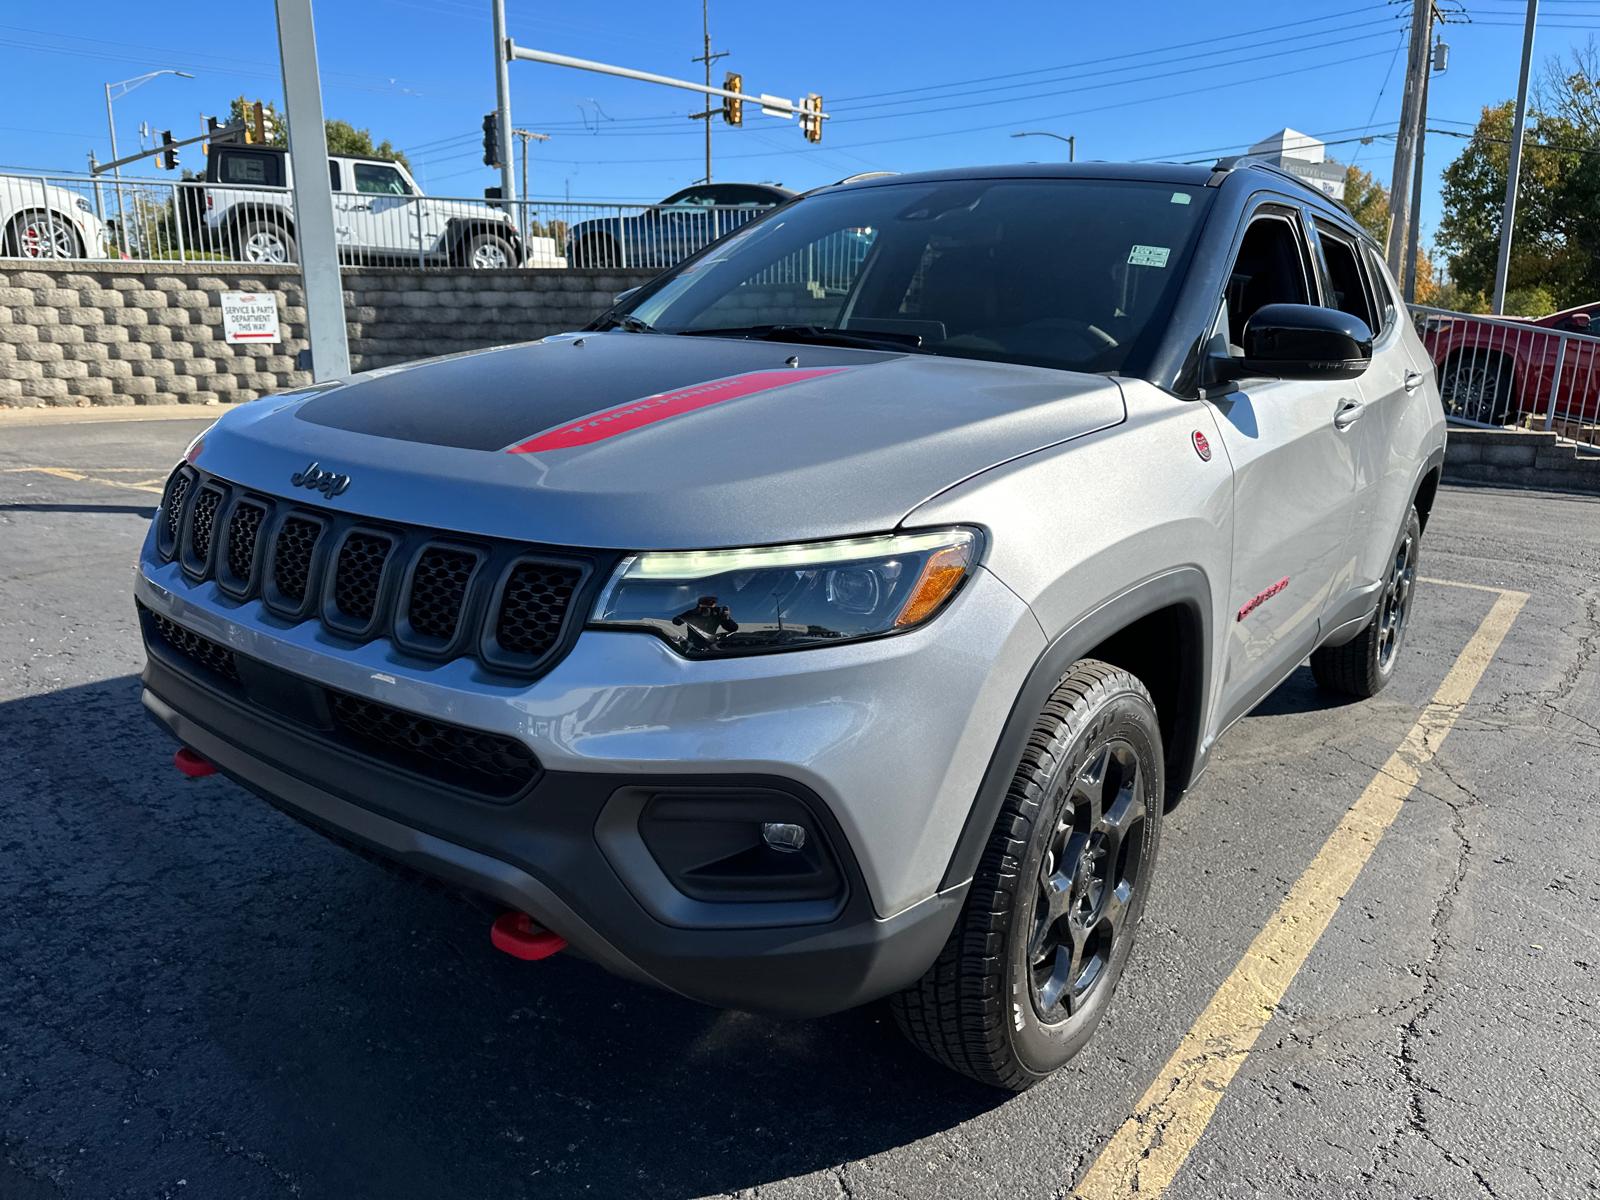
(243, 167)
(1350, 292)
(333, 175)
(739, 193)
(701, 196)
(1270, 269)
(1052, 272)
(379, 181)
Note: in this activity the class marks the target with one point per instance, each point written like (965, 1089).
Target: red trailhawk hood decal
(597, 427)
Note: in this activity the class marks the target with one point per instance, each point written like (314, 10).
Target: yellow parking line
(1150, 1147)
(148, 485)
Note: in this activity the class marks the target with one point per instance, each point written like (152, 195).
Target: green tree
(343, 137)
(1555, 258)
(1368, 202)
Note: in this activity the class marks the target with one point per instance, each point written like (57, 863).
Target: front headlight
(85, 205)
(716, 603)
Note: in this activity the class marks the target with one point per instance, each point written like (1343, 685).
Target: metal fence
(1498, 371)
(75, 216)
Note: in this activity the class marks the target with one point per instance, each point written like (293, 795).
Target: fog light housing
(790, 839)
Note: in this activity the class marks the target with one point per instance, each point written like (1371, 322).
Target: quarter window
(333, 175)
(1383, 293)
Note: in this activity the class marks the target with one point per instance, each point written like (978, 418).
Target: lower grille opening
(471, 759)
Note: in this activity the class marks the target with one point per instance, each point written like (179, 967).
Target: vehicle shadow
(258, 1006)
(1299, 693)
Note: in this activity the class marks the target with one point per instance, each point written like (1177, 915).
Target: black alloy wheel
(1477, 386)
(1050, 916)
(1086, 880)
(1362, 666)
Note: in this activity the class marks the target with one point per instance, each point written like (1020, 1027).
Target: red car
(1497, 370)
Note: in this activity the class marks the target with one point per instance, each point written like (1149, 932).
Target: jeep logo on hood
(318, 480)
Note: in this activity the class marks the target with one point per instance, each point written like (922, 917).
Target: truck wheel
(1365, 664)
(1477, 385)
(40, 233)
(489, 252)
(1049, 920)
(266, 242)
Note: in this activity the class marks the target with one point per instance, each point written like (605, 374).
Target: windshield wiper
(817, 335)
(626, 322)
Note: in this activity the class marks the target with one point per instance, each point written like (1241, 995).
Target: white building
(1303, 155)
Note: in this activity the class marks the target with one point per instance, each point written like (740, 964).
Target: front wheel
(1365, 664)
(42, 234)
(489, 252)
(1049, 920)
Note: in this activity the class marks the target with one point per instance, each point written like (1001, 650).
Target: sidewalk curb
(16, 418)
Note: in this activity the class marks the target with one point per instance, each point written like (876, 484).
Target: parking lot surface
(199, 997)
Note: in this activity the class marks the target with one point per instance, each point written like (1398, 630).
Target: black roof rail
(1240, 161)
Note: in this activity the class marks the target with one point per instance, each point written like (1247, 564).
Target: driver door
(1294, 475)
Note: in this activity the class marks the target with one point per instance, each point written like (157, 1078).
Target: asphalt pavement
(200, 998)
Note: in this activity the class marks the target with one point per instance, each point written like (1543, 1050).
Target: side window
(333, 175)
(379, 181)
(699, 196)
(1350, 292)
(1270, 269)
(1383, 293)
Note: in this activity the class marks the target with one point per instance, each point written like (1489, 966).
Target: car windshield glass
(1068, 273)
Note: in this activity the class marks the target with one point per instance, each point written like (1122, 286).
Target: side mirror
(1299, 341)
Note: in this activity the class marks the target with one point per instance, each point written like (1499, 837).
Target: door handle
(361, 208)
(1413, 381)
(1349, 413)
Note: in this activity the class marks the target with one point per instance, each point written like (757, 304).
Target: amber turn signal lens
(940, 575)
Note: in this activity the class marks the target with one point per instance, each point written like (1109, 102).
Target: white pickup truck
(381, 216)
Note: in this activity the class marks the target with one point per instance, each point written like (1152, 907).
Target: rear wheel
(40, 233)
(1050, 917)
(265, 242)
(1365, 664)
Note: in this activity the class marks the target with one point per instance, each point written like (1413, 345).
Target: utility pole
(1509, 216)
(527, 136)
(1409, 285)
(502, 100)
(313, 192)
(708, 58)
(1406, 144)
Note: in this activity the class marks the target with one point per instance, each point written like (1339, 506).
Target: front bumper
(882, 742)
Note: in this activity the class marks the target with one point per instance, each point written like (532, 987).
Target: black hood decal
(493, 399)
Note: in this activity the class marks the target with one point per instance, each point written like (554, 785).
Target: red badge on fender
(1201, 446)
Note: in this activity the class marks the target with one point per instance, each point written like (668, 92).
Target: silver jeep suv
(836, 618)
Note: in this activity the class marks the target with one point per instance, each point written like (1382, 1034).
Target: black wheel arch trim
(1185, 588)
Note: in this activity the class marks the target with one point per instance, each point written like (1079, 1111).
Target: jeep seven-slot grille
(438, 586)
(360, 569)
(467, 758)
(417, 586)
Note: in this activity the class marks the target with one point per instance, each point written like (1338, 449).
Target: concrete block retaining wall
(151, 333)
(1515, 458)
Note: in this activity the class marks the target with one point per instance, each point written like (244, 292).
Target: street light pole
(126, 86)
(1071, 141)
(1508, 217)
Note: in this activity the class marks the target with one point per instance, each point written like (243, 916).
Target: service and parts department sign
(250, 317)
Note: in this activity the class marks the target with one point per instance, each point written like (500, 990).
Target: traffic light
(733, 110)
(168, 157)
(811, 126)
(491, 139)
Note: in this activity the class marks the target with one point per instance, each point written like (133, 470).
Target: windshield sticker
(1148, 256)
(597, 427)
(1181, 197)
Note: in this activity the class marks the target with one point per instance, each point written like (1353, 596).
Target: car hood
(634, 441)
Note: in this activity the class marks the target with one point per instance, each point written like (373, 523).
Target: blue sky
(911, 86)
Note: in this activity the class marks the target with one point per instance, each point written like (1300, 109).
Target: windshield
(1077, 274)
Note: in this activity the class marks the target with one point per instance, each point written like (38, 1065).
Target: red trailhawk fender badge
(1263, 598)
(1201, 446)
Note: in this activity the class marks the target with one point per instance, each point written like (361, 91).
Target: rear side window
(1270, 269)
(1350, 292)
(333, 175)
(261, 170)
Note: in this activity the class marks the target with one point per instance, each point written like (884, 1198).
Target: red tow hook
(191, 764)
(518, 936)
